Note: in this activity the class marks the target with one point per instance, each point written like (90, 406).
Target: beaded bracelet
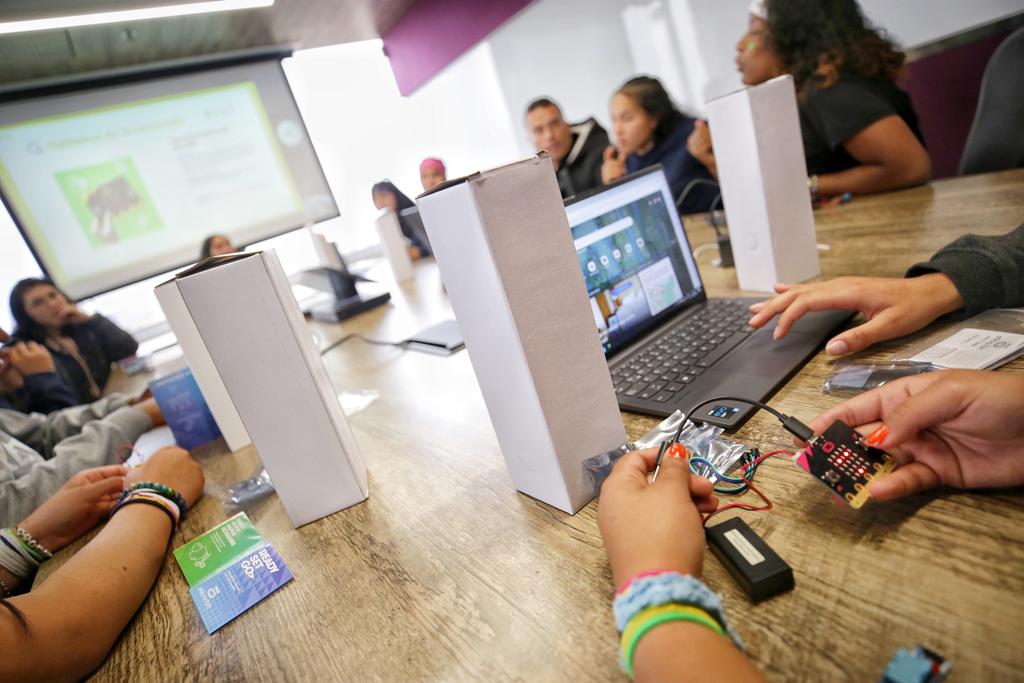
(165, 506)
(6, 590)
(15, 557)
(163, 490)
(33, 545)
(648, 618)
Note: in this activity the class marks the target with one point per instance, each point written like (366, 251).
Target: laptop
(668, 345)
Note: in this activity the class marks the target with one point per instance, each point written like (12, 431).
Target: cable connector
(797, 428)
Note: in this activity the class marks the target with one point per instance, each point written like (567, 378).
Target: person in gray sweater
(39, 453)
(972, 274)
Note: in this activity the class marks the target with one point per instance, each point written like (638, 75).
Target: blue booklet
(185, 410)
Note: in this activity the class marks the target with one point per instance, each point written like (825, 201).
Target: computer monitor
(635, 257)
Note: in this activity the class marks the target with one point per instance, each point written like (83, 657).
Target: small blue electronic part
(723, 411)
(919, 665)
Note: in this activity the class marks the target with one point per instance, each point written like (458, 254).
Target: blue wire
(714, 470)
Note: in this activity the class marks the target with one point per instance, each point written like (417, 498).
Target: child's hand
(653, 526)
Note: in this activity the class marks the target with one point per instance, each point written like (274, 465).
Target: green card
(206, 555)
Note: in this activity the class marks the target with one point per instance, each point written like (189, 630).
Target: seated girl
(648, 130)
(387, 196)
(83, 346)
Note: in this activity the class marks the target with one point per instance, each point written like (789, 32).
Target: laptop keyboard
(662, 369)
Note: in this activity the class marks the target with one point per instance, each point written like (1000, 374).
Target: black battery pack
(754, 565)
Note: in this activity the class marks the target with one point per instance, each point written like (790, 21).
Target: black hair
(207, 244)
(816, 39)
(542, 102)
(387, 186)
(25, 328)
(650, 94)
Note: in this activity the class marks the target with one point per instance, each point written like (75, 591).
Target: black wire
(356, 335)
(689, 186)
(714, 220)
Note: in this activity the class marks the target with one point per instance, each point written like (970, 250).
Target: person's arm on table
(97, 444)
(971, 274)
(73, 619)
(988, 271)
(654, 528)
(959, 428)
(890, 156)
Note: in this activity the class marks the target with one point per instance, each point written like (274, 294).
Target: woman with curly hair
(859, 128)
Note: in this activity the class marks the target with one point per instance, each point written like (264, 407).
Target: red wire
(768, 505)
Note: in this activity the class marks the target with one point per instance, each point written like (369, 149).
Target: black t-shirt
(830, 117)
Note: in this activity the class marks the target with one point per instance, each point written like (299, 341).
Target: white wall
(364, 131)
(574, 51)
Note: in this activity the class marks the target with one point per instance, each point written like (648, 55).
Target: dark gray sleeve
(987, 271)
(115, 342)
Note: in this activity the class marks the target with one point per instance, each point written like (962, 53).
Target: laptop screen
(636, 260)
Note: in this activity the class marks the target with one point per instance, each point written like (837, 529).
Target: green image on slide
(110, 201)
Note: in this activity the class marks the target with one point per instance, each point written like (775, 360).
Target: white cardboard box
(763, 175)
(504, 248)
(198, 358)
(249, 322)
(396, 247)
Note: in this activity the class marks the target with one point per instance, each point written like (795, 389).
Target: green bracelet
(647, 619)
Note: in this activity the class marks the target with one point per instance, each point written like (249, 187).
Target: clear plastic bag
(703, 440)
(853, 377)
(244, 494)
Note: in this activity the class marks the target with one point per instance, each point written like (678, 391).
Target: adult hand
(893, 306)
(653, 526)
(959, 428)
(30, 358)
(174, 467)
(613, 165)
(79, 505)
(699, 146)
(73, 314)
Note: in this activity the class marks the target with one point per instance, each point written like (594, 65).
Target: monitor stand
(347, 302)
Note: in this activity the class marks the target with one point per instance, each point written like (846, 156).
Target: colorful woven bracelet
(647, 619)
(147, 501)
(668, 587)
(32, 544)
(14, 558)
(159, 500)
(163, 490)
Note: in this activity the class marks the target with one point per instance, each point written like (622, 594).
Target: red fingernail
(878, 436)
(677, 450)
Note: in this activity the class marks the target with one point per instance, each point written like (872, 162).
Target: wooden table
(447, 574)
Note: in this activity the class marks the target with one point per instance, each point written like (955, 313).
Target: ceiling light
(117, 16)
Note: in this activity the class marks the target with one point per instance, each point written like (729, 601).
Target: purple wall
(433, 33)
(944, 88)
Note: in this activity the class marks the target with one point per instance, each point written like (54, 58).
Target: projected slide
(113, 185)
(197, 161)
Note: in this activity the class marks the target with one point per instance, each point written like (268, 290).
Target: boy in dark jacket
(575, 149)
